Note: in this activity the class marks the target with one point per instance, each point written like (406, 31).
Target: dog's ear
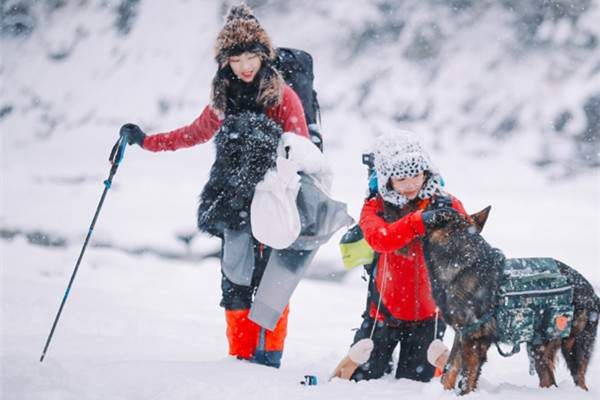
(480, 218)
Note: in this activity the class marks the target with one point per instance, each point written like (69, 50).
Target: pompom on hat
(401, 155)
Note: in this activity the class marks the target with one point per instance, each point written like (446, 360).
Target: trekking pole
(116, 155)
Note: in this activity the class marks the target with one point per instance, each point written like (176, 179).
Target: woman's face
(245, 66)
(408, 187)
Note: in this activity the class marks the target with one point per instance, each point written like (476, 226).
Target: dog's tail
(594, 314)
(578, 347)
(596, 306)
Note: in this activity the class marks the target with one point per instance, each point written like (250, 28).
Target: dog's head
(456, 245)
(459, 228)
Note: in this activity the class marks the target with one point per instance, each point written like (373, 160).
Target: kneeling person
(400, 308)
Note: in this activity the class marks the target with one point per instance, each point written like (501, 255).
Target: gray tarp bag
(321, 217)
(237, 261)
(282, 274)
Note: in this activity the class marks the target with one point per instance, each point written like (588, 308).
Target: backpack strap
(467, 330)
(516, 348)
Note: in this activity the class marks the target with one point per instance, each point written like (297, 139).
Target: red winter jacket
(407, 292)
(289, 114)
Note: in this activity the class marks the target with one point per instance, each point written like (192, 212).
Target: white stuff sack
(274, 216)
(309, 159)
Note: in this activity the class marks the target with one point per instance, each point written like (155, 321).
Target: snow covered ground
(143, 327)
(140, 327)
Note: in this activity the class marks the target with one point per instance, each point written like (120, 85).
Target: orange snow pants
(250, 341)
(247, 340)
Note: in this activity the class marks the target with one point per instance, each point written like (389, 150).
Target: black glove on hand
(440, 202)
(438, 217)
(133, 134)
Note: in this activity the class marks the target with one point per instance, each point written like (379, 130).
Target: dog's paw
(448, 382)
(463, 387)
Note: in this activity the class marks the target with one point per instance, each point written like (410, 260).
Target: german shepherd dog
(465, 273)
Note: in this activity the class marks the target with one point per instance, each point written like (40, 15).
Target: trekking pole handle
(115, 158)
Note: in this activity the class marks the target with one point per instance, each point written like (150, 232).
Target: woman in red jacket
(400, 306)
(246, 82)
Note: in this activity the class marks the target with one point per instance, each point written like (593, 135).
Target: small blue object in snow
(309, 380)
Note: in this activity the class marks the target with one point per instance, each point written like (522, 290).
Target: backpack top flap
(532, 277)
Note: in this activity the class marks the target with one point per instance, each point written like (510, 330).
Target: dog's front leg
(453, 365)
(474, 354)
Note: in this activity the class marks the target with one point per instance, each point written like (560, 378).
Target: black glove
(133, 134)
(440, 202)
(438, 217)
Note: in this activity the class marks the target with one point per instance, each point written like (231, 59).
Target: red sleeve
(290, 114)
(201, 130)
(385, 237)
